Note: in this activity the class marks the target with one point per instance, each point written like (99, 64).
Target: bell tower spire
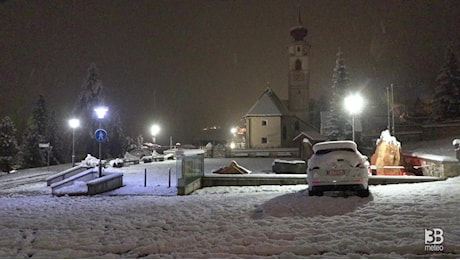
(299, 71)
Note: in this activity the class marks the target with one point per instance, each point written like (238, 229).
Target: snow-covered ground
(223, 222)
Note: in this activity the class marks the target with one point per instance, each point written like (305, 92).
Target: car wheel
(363, 193)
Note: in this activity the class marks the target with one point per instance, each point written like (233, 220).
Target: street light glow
(100, 112)
(155, 129)
(354, 103)
(74, 123)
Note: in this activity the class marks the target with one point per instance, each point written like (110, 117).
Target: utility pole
(390, 107)
(388, 110)
(392, 111)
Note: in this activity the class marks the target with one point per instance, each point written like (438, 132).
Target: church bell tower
(299, 72)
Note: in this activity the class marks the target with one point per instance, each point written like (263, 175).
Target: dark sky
(208, 61)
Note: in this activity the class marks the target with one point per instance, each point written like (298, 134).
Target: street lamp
(154, 130)
(73, 123)
(354, 104)
(101, 111)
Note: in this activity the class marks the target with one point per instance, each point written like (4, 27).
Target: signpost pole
(101, 136)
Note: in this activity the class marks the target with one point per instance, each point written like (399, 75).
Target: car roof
(346, 144)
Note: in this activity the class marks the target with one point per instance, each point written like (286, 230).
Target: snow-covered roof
(268, 104)
(311, 134)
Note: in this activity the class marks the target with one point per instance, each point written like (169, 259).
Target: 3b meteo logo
(433, 240)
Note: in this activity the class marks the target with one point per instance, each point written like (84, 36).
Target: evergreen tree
(29, 152)
(91, 96)
(117, 142)
(40, 118)
(446, 98)
(8, 144)
(54, 136)
(336, 126)
(130, 144)
(36, 133)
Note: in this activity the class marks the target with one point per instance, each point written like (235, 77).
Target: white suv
(337, 165)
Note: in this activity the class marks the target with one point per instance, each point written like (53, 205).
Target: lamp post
(354, 105)
(100, 113)
(73, 123)
(154, 130)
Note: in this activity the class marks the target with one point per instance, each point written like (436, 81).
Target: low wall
(106, 183)
(433, 165)
(66, 174)
(95, 185)
(273, 153)
(283, 166)
(185, 188)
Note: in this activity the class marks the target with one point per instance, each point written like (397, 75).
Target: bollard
(169, 181)
(145, 177)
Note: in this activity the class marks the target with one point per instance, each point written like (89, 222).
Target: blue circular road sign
(100, 135)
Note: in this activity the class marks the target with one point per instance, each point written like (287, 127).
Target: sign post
(48, 149)
(101, 136)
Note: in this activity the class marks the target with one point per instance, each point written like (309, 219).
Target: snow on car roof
(334, 145)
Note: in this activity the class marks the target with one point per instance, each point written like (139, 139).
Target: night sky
(192, 64)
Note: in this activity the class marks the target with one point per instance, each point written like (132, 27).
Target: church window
(264, 140)
(264, 122)
(298, 65)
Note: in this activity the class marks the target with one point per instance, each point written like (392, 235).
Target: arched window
(298, 65)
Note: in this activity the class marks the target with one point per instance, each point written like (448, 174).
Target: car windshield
(325, 151)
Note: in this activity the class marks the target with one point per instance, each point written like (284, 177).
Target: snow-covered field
(227, 222)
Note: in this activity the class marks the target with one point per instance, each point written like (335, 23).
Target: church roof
(268, 104)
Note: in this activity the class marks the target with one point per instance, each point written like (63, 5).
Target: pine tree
(117, 142)
(54, 136)
(40, 118)
(446, 98)
(91, 96)
(336, 126)
(36, 133)
(8, 144)
(29, 152)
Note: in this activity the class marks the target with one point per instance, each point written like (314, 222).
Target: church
(275, 123)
